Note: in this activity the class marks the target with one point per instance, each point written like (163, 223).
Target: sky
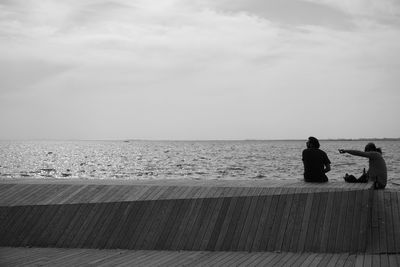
(199, 69)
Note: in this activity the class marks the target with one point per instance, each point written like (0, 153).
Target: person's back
(377, 168)
(316, 162)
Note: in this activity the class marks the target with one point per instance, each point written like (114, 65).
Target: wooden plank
(396, 220)
(184, 259)
(384, 260)
(289, 218)
(309, 260)
(237, 234)
(143, 218)
(104, 193)
(311, 226)
(136, 195)
(211, 231)
(44, 196)
(170, 221)
(10, 224)
(202, 220)
(335, 230)
(367, 260)
(111, 218)
(192, 224)
(61, 196)
(374, 236)
(300, 259)
(342, 222)
(285, 261)
(181, 210)
(219, 220)
(14, 194)
(274, 214)
(160, 216)
(392, 259)
(94, 212)
(59, 223)
(350, 261)
(280, 221)
(4, 189)
(390, 234)
(206, 223)
(234, 219)
(334, 260)
(319, 226)
(48, 200)
(348, 226)
(264, 218)
(157, 236)
(376, 260)
(186, 222)
(382, 223)
(72, 236)
(70, 224)
(127, 225)
(211, 259)
(134, 222)
(241, 246)
(25, 198)
(232, 258)
(327, 221)
(358, 227)
(69, 198)
(294, 243)
(40, 225)
(222, 233)
(305, 222)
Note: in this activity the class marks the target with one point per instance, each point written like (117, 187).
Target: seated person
(316, 162)
(377, 172)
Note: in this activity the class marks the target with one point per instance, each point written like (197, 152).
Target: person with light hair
(377, 171)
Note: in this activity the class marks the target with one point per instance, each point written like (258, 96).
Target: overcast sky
(199, 69)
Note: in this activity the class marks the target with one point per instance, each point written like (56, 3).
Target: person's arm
(355, 153)
(327, 168)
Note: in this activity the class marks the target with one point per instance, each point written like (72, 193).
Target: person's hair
(313, 141)
(372, 147)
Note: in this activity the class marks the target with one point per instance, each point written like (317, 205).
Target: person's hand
(342, 151)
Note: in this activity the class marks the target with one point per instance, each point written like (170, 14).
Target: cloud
(287, 12)
(201, 65)
(382, 12)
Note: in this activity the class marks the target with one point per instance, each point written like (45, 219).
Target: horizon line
(204, 140)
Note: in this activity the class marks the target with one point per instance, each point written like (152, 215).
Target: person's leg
(378, 185)
(350, 178)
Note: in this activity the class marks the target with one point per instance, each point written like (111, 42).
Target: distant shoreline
(194, 140)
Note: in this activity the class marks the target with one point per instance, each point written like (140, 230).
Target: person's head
(371, 147)
(312, 142)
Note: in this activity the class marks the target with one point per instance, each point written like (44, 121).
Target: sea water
(181, 159)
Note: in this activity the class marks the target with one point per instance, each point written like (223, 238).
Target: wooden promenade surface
(206, 220)
(94, 257)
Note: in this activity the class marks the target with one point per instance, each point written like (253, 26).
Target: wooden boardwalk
(94, 257)
(306, 222)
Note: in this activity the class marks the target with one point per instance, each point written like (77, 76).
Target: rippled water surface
(180, 159)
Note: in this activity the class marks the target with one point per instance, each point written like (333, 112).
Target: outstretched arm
(355, 153)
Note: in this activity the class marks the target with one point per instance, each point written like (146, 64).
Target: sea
(197, 160)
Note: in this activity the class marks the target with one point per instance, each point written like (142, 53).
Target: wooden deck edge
(10, 256)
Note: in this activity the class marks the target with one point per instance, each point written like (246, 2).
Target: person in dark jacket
(316, 162)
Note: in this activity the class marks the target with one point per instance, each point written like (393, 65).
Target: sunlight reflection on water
(180, 159)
